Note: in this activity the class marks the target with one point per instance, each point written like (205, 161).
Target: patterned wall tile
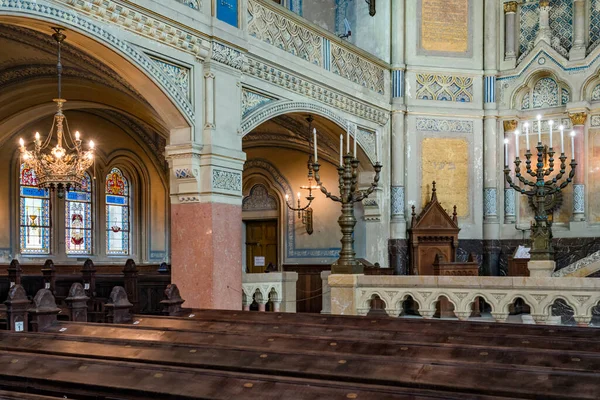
(596, 91)
(444, 125)
(545, 93)
(444, 88)
(594, 24)
(397, 200)
(579, 199)
(561, 22)
(489, 202)
(226, 180)
(530, 19)
(510, 207)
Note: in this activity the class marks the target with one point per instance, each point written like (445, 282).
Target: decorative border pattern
(226, 180)
(578, 199)
(185, 173)
(490, 89)
(489, 202)
(138, 57)
(290, 236)
(357, 69)
(320, 93)
(444, 125)
(397, 193)
(228, 56)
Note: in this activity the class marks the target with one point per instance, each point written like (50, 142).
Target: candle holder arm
(566, 182)
(513, 185)
(363, 194)
(316, 167)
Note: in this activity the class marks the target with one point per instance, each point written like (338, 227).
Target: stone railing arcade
(353, 294)
(277, 287)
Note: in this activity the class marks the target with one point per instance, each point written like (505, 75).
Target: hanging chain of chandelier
(63, 166)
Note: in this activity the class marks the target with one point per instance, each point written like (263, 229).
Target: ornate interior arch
(542, 89)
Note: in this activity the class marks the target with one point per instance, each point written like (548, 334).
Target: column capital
(578, 118)
(510, 125)
(544, 3)
(510, 7)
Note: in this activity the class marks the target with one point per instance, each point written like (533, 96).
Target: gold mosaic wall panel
(446, 161)
(445, 25)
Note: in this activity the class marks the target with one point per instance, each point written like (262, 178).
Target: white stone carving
(228, 56)
(279, 286)
(226, 180)
(252, 100)
(357, 69)
(444, 125)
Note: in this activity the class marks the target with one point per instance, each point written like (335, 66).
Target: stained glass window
(117, 213)
(78, 219)
(34, 222)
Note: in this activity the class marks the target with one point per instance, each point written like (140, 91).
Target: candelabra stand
(541, 190)
(349, 194)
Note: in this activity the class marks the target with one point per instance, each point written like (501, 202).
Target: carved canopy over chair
(433, 232)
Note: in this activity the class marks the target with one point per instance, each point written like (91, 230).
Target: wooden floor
(251, 355)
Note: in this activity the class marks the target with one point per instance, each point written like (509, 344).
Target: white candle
(377, 146)
(562, 138)
(354, 146)
(539, 118)
(315, 142)
(517, 142)
(550, 123)
(527, 135)
(506, 152)
(341, 148)
(572, 145)
(348, 138)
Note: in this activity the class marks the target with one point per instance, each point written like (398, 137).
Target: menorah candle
(562, 138)
(348, 138)
(506, 152)
(517, 142)
(527, 135)
(550, 123)
(572, 145)
(539, 118)
(341, 148)
(315, 142)
(355, 145)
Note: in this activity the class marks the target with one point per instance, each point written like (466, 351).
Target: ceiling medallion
(63, 167)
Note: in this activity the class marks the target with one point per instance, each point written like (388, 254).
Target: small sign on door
(19, 326)
(259, 261)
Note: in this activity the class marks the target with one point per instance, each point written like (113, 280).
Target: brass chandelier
(62, 167)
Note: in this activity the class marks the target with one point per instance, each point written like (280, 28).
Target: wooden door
(261, 245)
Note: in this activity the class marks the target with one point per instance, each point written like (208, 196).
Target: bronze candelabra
(349, 194)
(541, 192)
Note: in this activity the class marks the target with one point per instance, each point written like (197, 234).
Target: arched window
(117, 213)
(78, 219)
(34, 209)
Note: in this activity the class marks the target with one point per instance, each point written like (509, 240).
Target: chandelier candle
(539, 118)
(540, 190)
(349, 194)
(315, 142)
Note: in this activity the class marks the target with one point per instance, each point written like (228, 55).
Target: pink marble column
(262, 307)
(276, 306)
(206, 254)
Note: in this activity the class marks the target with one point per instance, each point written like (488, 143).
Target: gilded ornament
(510, 125)
(544, 3)
(510, 7)
(578, 118)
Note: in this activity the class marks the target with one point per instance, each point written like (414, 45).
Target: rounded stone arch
(404, 297)
(474, 296)
(546, 306)
(590, 90)
(281, 107)
(89, 36)
(528, 85)
(451, 299)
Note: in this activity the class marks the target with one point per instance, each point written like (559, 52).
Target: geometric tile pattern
(561, 22)
(397, 200)
(579, 199)
(444, 88)
(594, 24)
(489, 202)
(530, 19)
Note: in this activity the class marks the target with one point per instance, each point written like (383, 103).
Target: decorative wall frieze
(135, 20)
(444, 125)
(228, 56)
(95, 30)
(185, 173)
(251, 100)
(226, 180)
(315, 91)
(444, 88)
(188, 199)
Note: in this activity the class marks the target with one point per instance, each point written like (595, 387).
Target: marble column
(578, 120)
(544, 33)
(510, 206)
(577, 52)
(510, 30)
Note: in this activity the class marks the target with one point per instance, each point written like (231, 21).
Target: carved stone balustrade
(278, 287)
(353, 294)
